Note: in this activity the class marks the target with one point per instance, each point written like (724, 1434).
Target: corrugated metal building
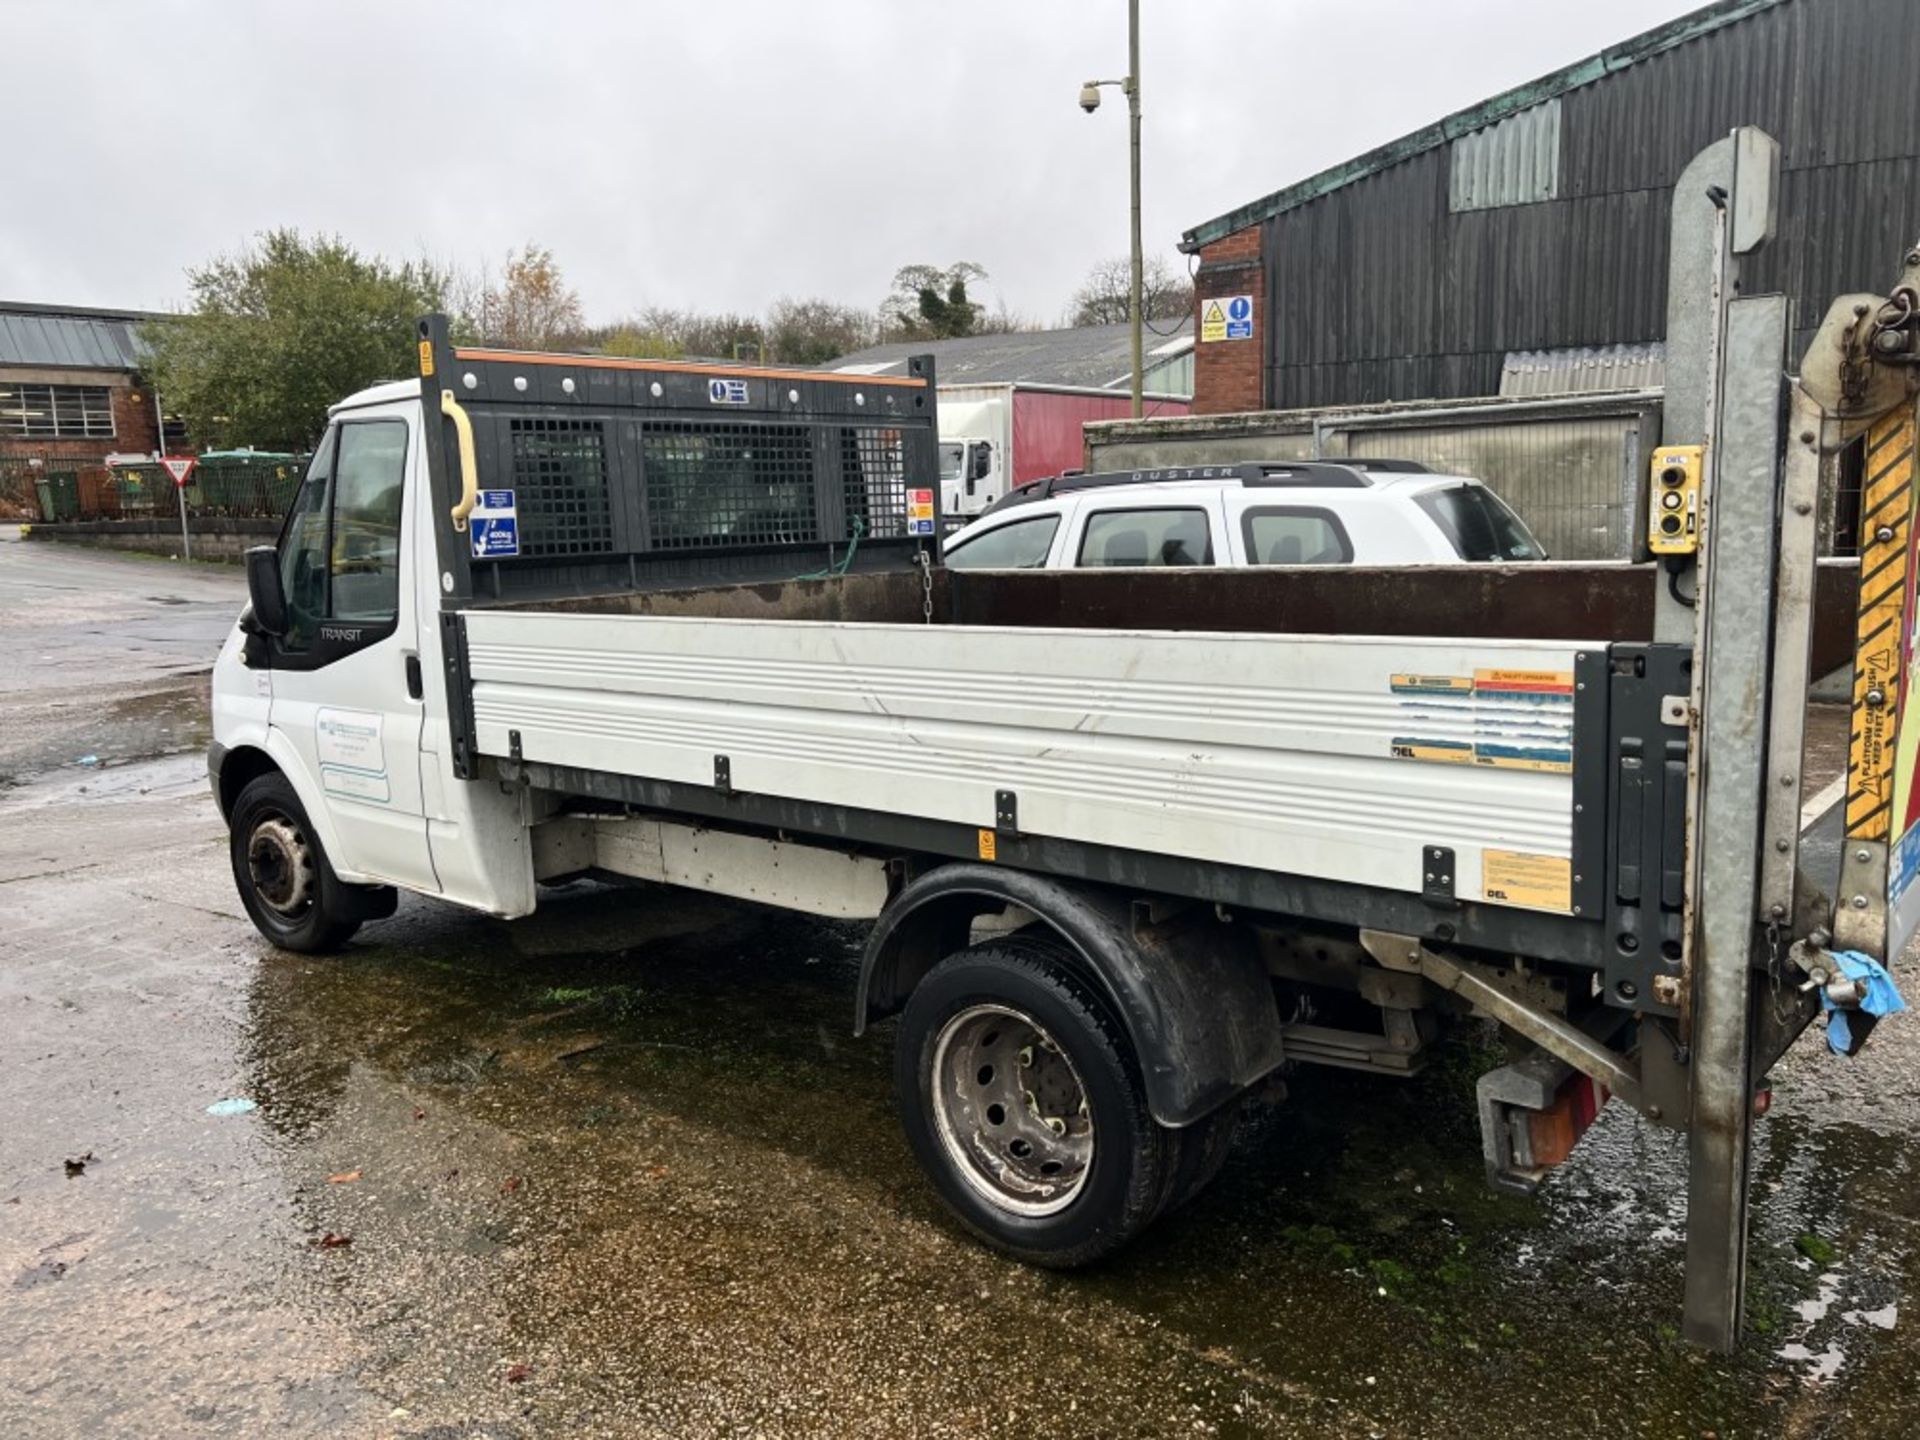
(1098, 357)
(69, 383)
(1537, 220)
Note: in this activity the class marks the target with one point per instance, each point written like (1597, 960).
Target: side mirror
(982, 459)
(263, 590)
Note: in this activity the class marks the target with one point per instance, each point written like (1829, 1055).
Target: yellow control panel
(1673, 506)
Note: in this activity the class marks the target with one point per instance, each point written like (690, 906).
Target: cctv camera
(1089, 97)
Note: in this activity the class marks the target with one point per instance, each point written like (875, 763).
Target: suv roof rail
(1320, 474)
(1390, 467)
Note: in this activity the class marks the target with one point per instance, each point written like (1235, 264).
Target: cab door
(346, 675)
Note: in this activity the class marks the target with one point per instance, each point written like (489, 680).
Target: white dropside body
(1338, 758)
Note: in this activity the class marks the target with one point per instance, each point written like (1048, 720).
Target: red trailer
(996, 436)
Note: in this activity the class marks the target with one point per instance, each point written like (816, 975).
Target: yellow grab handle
(463, 427)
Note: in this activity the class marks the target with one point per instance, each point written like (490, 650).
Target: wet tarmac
(106, 654)
(621, 1170)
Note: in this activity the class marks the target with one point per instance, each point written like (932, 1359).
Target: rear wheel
(285, 882)
(1021, 1097)
(1202, 1149)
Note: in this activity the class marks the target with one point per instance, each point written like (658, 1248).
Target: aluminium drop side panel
(1332, 757)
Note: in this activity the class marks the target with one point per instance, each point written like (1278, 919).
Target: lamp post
(1090, 102)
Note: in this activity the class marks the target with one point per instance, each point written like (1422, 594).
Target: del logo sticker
(1534, 882)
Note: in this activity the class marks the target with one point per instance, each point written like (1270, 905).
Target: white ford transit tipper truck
(544, 616)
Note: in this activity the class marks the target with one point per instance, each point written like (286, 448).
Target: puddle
(51, 734)
(164, 779)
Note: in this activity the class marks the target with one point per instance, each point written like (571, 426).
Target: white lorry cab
(1130, 840)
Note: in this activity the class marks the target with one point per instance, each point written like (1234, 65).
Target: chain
(925, 562)
(1776, 967)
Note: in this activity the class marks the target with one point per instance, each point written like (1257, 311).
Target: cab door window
(368, 480)
(340, 551)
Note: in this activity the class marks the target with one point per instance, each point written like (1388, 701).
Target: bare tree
(1103, 297)
(812, 332)
(530, 308)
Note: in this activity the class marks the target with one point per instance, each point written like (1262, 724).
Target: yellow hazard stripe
(1886, 512)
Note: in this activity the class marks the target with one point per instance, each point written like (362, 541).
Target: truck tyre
(1021, 1097)
(1203, 1149)
(284, 879)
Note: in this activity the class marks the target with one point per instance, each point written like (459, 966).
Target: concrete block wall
(214, 538)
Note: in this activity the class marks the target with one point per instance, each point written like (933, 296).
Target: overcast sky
(700, 154)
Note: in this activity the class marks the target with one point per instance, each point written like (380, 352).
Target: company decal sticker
(1440, 752)
(351, 748)
(1533, 882)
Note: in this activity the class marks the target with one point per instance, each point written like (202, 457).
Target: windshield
(952, 462)
(1479, 525)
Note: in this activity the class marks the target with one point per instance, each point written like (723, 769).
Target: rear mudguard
(1194, 998)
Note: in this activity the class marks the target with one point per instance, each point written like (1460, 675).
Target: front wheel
(285, 882)
(1021, 1097)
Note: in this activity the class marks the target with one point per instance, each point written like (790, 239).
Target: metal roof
(1584, 370)
(71, 337)
(1094, 356)
(1477, 117)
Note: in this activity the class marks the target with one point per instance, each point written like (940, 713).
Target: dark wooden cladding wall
(1376, 292)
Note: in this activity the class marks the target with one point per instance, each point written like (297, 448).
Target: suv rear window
(1147, 537)
(1479, 525)
(1295, 537)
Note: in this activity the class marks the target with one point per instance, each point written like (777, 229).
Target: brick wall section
(1228, 375)
(134, 428)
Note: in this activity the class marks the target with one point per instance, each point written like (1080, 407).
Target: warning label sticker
(1228, 317)
(1448, 709)
(1433, 684)
(1534, 882)
(920, 512)
(1546, 686)
(495, 526)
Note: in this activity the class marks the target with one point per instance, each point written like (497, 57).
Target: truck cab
(970, 477)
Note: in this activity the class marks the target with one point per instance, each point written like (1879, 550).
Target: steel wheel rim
(280, 864)
(1011, 1110)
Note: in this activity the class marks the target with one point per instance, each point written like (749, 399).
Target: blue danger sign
(726, 392)
(494, 526)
